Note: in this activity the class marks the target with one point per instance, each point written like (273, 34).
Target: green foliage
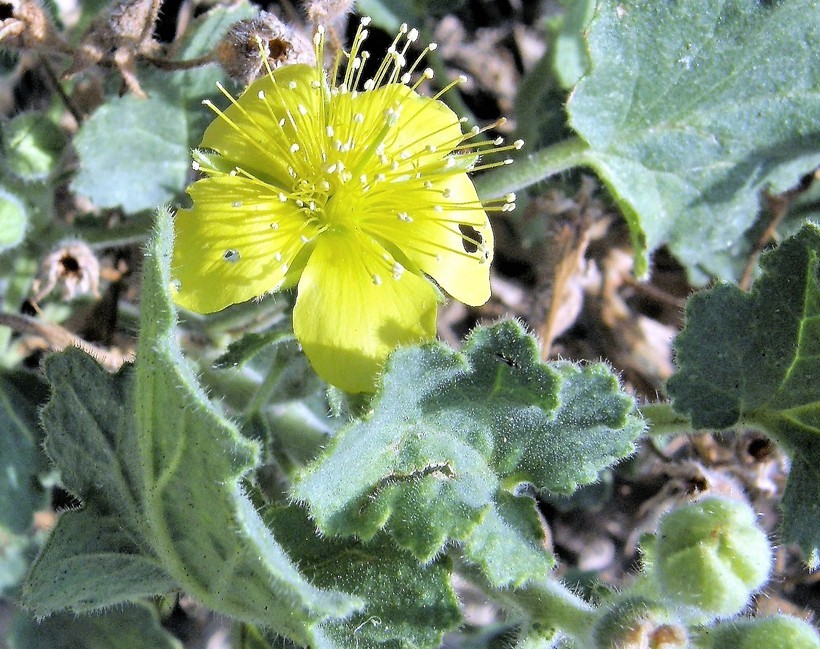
(406, 605)
(751, 359)
(13, 220)
(134, 152)
(21, 493)
(133, 627)
(147, 481)
(451, 436)
(305, 516)
(687, 122)
(32, 145)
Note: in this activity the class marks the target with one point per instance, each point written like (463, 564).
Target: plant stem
(545, 602)
(268, 386)
(663, 419)
(531, 168)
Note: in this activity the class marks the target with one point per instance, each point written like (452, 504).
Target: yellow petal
(453, 245)
(422, 129)
(249, 131)
(236, 243)
(354, 306)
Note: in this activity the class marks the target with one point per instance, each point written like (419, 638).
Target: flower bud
(710, 556)
(776, 632)
(637, 623)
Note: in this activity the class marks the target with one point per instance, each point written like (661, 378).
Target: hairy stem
(663, 419)
(532, 167)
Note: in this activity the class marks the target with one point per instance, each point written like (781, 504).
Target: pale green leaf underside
(691, 108)
(135, 152)
(452, 435)
(755, 358)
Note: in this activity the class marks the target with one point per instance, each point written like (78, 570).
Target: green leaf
(153, 132)
(407, 605)
(32, 145)
(159, 470)
(192, 461)
(134, 627)
(13, 220)
(135, 153)
(100, 555)
(688, 123)
(21, 493)
(452, 435)
(570, 60)
(252, 344)
(752, 359)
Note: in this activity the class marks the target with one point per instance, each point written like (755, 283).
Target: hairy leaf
(754, 358)
(406, 605)
(687, 122)
(134, 627)
(23, 461)
(158, 470)
(452, 435)
(135, 152)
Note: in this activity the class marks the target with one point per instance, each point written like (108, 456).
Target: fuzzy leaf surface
(754, 358)
(407, 605)
(21, 458)
(192, 460)
(133, 627)
(687, 123)
(157, 133)
(158, 470)
(452, 434)
(99, 555)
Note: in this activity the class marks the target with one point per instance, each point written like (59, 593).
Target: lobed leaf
(753, 359)
(687, 123)
(407, 606)
(452, 437)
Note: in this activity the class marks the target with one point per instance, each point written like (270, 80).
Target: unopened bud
(710, 557)
(776, 632)
(637, 623)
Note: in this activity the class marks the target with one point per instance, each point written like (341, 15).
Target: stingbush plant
(338, 478)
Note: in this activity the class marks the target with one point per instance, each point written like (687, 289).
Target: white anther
(294, 147)
(261, 94)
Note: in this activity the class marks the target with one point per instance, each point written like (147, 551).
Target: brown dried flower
(248, 43)
(73, 266)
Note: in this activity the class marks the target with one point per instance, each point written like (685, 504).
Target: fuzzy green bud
(637, 623)
(776, 632)
(710, 556)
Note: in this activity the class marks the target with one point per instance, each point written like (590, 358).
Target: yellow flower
(353, 191)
